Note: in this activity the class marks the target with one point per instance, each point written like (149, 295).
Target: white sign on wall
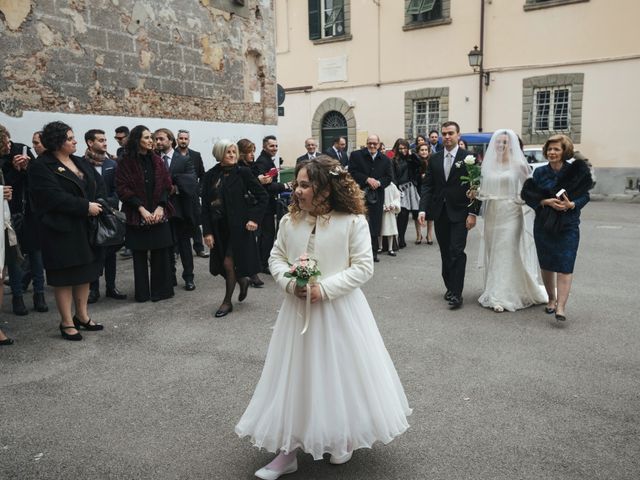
(332, 69)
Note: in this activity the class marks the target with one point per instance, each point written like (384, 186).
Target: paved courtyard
(495, 396)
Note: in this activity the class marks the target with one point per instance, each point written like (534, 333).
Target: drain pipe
(481, 73)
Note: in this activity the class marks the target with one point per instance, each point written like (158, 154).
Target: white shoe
(340, 460)
(268, 474)
(498, 308)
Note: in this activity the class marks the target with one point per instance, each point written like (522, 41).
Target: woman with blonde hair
(233, 202)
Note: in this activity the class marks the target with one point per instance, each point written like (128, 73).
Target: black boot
(39, 304)
(18, 306)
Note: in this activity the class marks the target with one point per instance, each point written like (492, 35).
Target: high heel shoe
(221, 312)
(87, 325)
(244, 288)
(6, 341)
(67, 336)
(418, 241)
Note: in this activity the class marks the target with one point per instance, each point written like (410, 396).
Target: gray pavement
(495, 396)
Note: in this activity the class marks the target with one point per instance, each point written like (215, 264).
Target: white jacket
(342, 248)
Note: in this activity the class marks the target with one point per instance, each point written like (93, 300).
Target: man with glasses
(184, 140)
(122, 133)
(372, 170)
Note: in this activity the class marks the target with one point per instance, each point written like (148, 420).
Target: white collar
(453, 152)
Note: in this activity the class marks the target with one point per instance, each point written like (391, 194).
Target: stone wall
(211, 60)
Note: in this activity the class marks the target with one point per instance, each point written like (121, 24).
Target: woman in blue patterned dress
(557, 192)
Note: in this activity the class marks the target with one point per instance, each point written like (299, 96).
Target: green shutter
(417, 7)
(314, 20)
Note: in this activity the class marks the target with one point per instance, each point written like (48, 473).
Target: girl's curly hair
(326, 173)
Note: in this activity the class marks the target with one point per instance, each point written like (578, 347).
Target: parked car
(477, 143)
(534, 157)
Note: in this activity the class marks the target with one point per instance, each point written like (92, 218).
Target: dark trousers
(161, 285)
(182, 237)
(198, 246)
(109, 269)
(402, 220)
(266, 237)
(452, 239)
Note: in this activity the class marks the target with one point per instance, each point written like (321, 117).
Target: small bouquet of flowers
(472, 178)
(304, 271)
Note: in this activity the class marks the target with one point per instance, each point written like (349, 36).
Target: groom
(444, 198)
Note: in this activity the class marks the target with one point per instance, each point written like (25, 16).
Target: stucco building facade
(207, 66)
(400, 67)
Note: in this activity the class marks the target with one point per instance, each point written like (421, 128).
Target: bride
(511, 274)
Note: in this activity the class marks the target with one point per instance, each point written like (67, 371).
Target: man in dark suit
(311, 145)
(434, 143)
(371, 169)
(183, 147)
(444, 198)
(183, 223)
(122, 134)
(98, 157)
(338, 150)
(264, 163)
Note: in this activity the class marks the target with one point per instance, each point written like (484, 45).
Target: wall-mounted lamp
(475, 62)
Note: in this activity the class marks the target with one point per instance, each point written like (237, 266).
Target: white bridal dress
(511, 272)
(333, 389)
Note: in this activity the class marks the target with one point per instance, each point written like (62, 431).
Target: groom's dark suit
(445, 201)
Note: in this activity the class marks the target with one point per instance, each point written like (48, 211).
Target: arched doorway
(334, 117)
(333, 125)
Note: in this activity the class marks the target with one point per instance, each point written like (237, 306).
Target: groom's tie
(447, 165)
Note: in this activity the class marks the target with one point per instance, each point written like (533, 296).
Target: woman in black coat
(143, 184)
(64, 189)
(233, 202)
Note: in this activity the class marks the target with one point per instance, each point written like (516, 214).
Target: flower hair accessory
(337, 171)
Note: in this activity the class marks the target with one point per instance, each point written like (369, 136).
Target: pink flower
(292, 269)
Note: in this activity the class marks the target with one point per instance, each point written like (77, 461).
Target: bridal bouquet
(304, 270)
(472, 178)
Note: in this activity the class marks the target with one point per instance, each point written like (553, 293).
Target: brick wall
(210, 60)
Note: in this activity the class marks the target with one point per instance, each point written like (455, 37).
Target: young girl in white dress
(333, 389)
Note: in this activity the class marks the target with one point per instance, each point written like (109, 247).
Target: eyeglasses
(120, 138)
(373, 144)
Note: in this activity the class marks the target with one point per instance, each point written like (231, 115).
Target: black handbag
(370, 196)
(110, 227)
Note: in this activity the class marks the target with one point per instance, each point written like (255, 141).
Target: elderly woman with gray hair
(233, 202)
